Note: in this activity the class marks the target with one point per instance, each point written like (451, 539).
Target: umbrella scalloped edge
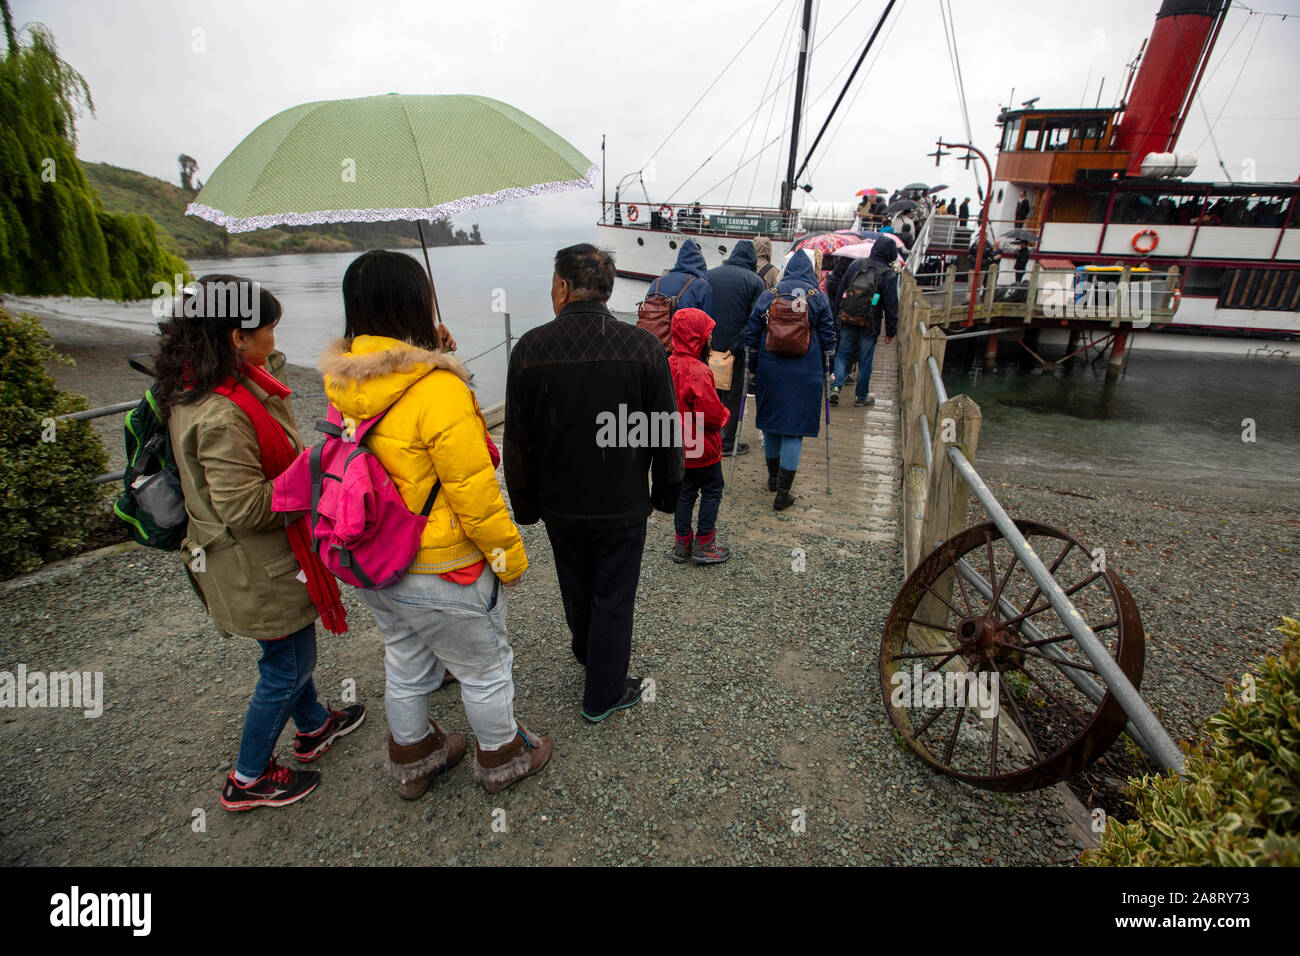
(234, 224)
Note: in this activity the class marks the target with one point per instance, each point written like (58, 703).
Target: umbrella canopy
(902, 205)
(863, 249)
(917, 187)
(867, 192)
(936, 189)
(385, 158)
(1020, 235)
(827, 242)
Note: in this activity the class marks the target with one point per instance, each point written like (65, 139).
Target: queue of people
(252, 489)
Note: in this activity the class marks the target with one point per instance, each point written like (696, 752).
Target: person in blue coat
(735, 287)
(788, 389)
(689, 268)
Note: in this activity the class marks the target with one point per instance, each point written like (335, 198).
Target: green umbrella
(385, 158)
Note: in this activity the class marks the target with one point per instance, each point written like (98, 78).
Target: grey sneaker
(869, 400)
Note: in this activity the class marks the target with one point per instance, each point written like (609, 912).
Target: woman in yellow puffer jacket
(448, 613)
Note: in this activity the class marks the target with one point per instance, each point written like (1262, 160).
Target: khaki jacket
(245, 567)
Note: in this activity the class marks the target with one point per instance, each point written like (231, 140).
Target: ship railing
(940, 439)
(704, 220)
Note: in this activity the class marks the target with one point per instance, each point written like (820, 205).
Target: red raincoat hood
(691, 329)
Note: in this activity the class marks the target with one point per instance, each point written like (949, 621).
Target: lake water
(1173, 415)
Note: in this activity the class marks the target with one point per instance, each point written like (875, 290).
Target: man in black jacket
(590, 411)
(736, 287)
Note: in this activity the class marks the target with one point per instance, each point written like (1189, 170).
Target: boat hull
(643, 253)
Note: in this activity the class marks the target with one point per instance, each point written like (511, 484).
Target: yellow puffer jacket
(433, 428)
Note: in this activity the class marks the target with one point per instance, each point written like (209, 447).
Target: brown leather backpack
(655, 312)
(789, 328)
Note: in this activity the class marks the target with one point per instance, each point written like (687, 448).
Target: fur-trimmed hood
(364, 376)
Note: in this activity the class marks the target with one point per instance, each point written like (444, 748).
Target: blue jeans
(284, 688)
(788, 448)
(857, 339)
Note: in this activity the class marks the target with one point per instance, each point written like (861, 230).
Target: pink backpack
(360, 526)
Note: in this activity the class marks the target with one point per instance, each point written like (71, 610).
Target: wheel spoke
(1060, 662)
(952, 740)
(937, 627)
(1052, 570)
(1043, 607)
(925, 726)
(1066, 637)
(949, 655)
(1064, 705)
(1016, 716)
(945, 602)
(993, 575)
(997, 595)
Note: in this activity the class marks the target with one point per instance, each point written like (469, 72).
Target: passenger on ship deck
(766, 269)
(789, 389)
(1022, 210)
(963, 212)
(688, 279)
(736, 287)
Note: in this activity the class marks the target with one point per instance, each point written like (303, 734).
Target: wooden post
(1120, 301)
(990, 290)
(948, 496)
(1031, 294)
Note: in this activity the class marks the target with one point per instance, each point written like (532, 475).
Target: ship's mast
(787, 187)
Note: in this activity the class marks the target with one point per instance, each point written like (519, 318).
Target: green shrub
(1239, 804)
(47, 501)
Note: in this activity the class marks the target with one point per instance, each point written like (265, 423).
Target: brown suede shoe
(498, 769)
(415, 765)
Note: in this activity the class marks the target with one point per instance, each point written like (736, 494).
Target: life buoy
(666, 211)
(633, 213)
(1141, 249)
(1175, 300)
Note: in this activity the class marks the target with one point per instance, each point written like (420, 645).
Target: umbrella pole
(437, 312)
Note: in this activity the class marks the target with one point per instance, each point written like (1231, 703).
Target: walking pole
(826, 404)
(740, 426)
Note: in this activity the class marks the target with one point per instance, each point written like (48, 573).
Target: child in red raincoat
(702, 416)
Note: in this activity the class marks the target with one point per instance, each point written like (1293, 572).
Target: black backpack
(152, 503)
(860, 301)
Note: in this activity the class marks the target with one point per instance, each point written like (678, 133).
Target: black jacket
(883, 254)
(736, 287)
(574, 384)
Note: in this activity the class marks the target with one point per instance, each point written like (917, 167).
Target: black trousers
(598, 573)
(731, 399)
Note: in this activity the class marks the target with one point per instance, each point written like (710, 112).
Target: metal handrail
(1149, 733)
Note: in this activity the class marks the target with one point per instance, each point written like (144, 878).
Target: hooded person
(736, 287)
(788, 392)
(702, 416)
(448, 613)
(867, 293)
(688, 280)
(766, 269)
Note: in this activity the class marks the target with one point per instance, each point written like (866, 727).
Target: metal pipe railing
(1143, 725)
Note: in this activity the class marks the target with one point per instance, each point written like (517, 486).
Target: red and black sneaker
(277, 787)
(307, 747)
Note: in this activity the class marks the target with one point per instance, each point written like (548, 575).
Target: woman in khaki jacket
(232, 432)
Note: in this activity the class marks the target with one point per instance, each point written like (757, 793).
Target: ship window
(672, 243)
(1244, 210)
(640, 241)
(1057, 136)
(1173, 209)
(1011, 134)
(1202, 280)
(1033, 134)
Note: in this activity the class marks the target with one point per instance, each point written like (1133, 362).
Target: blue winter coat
(788, 389)
(690, 263)
(736, 287)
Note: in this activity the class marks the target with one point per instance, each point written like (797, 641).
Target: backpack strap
(433, 493)
(317, 481)
(681, 292)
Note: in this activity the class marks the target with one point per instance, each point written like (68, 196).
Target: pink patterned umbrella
(828, 242)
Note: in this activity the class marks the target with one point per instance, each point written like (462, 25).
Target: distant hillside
(125, 190)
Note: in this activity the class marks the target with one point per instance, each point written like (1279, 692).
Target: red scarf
(278, 454)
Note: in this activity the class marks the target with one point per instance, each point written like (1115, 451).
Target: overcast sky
(633, 70)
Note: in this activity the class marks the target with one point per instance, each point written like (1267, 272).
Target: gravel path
(766, 704)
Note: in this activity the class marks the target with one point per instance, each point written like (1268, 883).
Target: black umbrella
(1020, 235)
(902, 205)
(936, 189)
(920, 187)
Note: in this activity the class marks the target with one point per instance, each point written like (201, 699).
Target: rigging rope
(744, 46)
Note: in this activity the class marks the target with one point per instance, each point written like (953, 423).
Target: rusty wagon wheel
(956, 671)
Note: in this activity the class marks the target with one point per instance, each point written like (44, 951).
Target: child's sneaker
(277, 787)
(307, 747)
(708, 551)
(682, 549)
